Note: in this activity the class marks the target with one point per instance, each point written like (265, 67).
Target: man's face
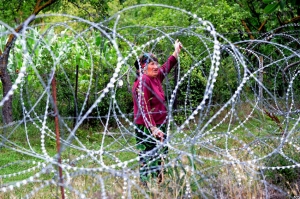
(152, 69)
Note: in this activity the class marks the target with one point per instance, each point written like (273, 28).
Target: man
(150, 112)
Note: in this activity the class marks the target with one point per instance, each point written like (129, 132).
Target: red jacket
(149, 100)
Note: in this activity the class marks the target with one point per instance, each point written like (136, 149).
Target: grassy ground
(208, 168)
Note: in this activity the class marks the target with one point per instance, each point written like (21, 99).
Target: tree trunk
(7, 85)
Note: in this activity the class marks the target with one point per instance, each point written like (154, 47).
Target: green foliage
(14, 12)
(268, 14)
(224, 16)
(271, 7)
(281, 177)
(62, 53)
(93, 10)
(58, 48)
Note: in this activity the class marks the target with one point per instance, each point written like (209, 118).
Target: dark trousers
(150, 152)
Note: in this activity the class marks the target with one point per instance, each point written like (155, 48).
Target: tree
(4, 75)
(17, 12)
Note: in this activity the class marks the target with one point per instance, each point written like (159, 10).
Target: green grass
(204, 169)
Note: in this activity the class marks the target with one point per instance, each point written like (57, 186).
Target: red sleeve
(167, 67)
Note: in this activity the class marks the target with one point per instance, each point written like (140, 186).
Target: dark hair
(145, 59)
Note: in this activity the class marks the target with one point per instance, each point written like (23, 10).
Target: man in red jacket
(150, 112)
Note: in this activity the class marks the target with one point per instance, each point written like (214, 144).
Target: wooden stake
(53, 83)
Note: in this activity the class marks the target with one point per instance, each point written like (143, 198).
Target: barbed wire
(214, 148)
